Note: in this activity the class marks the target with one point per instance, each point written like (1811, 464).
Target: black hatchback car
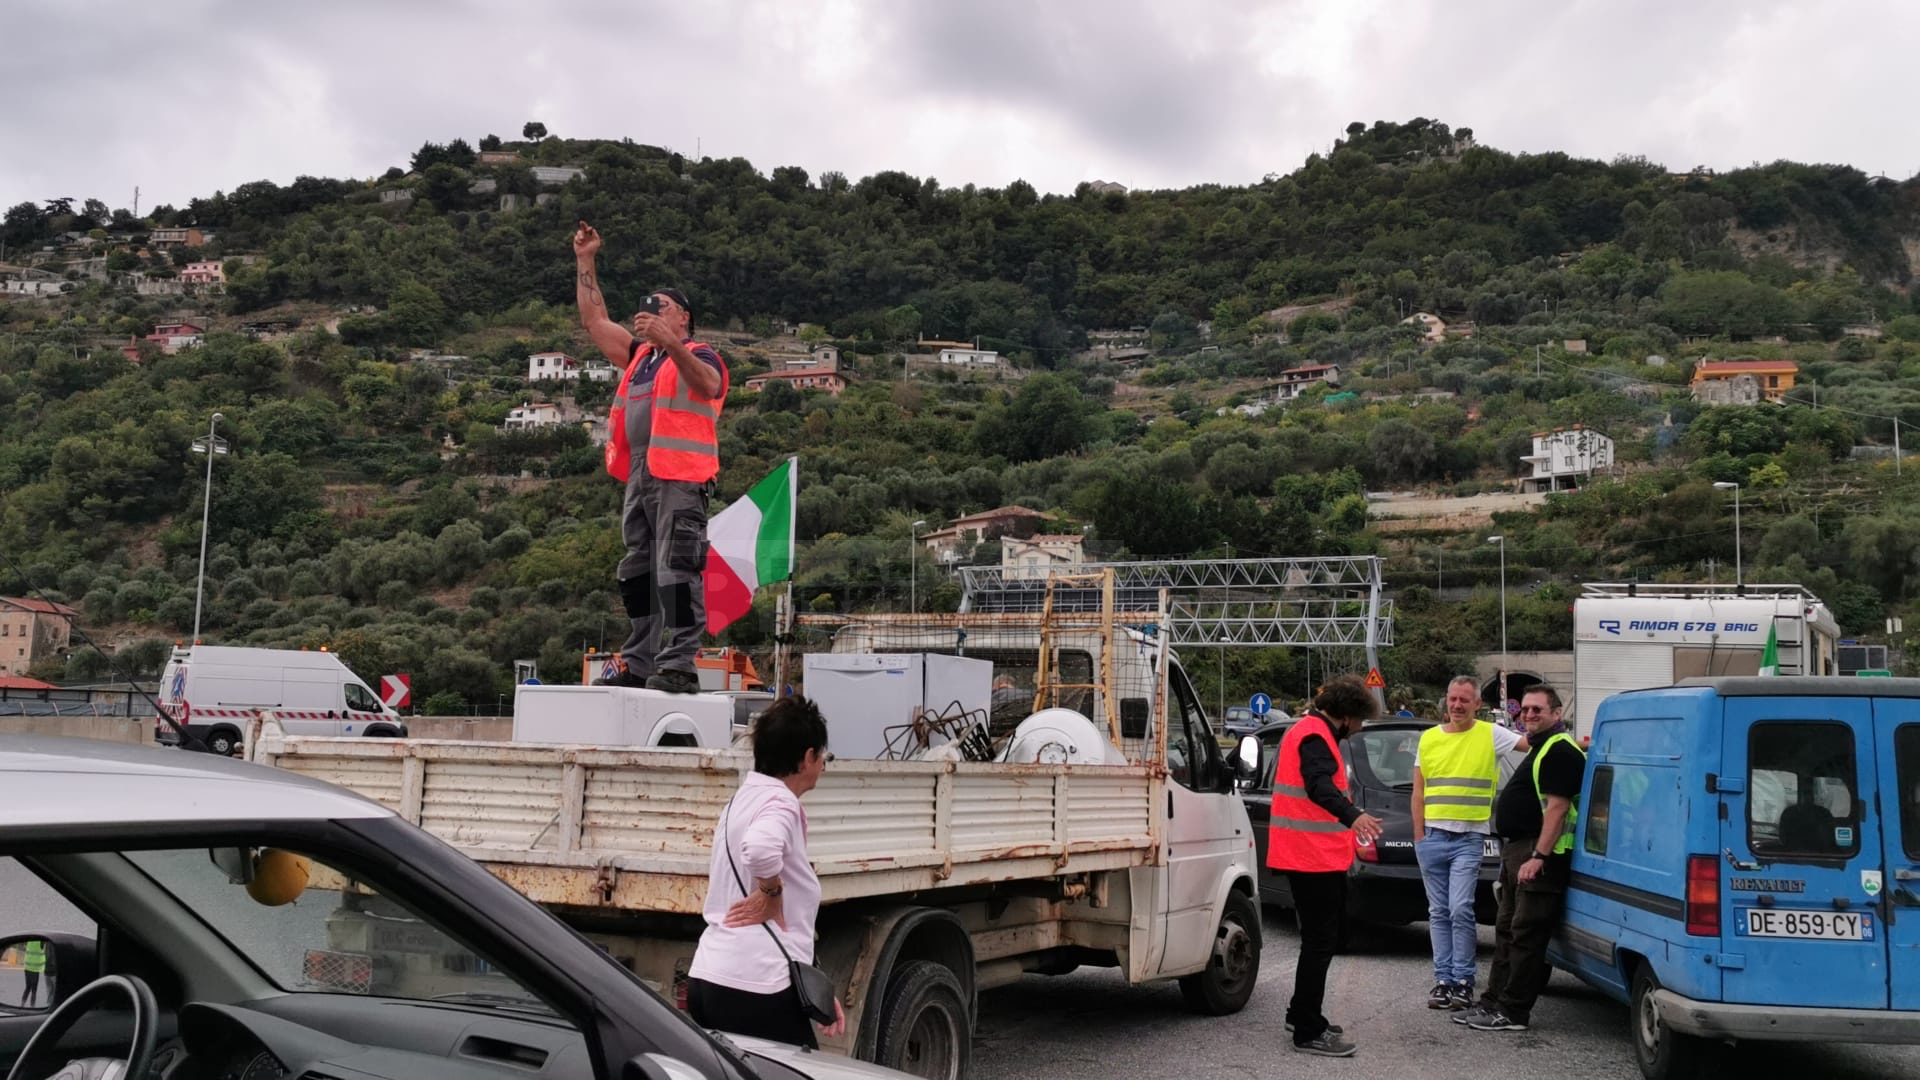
(1384, 885)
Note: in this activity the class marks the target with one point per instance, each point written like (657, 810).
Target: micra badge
(1768, 884)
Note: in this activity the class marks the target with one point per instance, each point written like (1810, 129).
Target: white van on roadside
(212, 690)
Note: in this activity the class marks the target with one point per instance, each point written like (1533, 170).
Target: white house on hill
(1566, 458)
(536, 415)
(560, 366)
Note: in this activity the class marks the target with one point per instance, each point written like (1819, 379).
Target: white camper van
(213, 689)
(1633, 636)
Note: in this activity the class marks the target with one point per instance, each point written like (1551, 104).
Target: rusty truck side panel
(632, 829)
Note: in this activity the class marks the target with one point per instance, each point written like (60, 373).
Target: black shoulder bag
(812, 986)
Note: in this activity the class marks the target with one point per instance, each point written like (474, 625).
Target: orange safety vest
(1301, 836)
(683, 441)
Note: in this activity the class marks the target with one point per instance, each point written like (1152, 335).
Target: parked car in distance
(1240, 720)
(1384, 885)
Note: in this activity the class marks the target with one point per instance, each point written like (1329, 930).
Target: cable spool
(1060, 737)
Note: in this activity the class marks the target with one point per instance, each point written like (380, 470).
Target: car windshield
(335, 935)
(1388, 756)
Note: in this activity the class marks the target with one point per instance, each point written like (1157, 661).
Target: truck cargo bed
(632, 830)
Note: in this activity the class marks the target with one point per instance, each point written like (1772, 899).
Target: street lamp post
(1739, 577)
(211, 445)
(913, 567)
(1502, 541)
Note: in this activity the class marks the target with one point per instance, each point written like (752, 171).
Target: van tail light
(1703, 895)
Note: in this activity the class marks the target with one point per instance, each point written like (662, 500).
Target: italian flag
(1770, 657)
(750, 544)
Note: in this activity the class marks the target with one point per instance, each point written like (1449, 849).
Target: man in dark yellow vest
(1536, 817)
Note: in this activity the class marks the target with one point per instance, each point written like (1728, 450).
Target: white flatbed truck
(940, 879)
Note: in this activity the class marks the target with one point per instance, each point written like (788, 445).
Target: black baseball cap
(677, 297)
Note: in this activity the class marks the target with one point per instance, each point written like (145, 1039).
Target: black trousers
(1528, 915)
(1320, 899)
(775, 1016)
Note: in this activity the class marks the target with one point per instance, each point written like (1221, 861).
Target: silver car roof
(52, 781)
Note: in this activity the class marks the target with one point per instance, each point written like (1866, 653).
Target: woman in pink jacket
(759, 878)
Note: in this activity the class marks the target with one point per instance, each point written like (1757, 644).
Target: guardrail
(74, 701)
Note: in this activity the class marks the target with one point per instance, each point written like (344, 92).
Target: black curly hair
(1347, 699)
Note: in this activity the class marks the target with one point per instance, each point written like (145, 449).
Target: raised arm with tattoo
(612, 339)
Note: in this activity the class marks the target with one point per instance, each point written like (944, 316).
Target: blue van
(1748, 865)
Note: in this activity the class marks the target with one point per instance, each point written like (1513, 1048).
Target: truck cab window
(1192, 752)
(1800, 790)
(360, 699)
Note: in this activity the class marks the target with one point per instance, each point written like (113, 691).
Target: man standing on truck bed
(1536, 818)
(1455, 773)
(666, 409)
(1311, 840)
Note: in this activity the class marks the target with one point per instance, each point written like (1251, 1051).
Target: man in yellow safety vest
(1455, 773)
(34, 960)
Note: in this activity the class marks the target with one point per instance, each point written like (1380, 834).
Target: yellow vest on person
(1564, 842)
(36, 957)
(1461, 772)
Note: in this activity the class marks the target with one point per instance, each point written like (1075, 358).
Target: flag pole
(783, 610)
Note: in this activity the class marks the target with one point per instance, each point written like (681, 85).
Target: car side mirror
(35, 967)
(1246, 758)
(235, 862)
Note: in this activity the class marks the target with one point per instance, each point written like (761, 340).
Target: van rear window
(1906, 763)
(1801, 786)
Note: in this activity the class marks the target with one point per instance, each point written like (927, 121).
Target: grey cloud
(197, 95)
(1149, 82)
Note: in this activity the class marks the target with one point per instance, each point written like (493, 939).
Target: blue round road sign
(1261, 704)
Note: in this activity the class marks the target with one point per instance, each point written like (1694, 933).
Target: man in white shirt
(1457, 769)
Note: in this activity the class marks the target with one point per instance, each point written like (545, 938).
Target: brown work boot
(675, 682)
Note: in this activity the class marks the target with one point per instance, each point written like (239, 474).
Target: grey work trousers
(664, 523)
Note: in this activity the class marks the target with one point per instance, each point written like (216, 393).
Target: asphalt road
(1091, 1024)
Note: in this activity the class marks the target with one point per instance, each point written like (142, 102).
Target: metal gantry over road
(1259, 603)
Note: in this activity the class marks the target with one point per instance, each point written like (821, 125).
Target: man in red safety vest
(665, 413)
(1311, 840)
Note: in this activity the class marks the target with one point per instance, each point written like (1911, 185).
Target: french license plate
(1816, 925)
(1491, 849)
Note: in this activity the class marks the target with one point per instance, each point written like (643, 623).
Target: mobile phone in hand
(650, 304)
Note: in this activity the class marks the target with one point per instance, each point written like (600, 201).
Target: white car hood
(813, 1063)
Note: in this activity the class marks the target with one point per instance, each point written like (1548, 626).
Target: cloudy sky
(186, 97)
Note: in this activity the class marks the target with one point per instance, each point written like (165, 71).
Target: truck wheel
(223, 741)
(1661, 1052)
(924, 1029)
(1235, 965)
(381, 731)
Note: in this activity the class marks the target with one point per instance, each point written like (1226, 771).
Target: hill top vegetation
(373, 503)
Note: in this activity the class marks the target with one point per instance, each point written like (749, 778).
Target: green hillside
(372, 336)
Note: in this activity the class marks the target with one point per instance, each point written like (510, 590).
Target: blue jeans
(1450, 863)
